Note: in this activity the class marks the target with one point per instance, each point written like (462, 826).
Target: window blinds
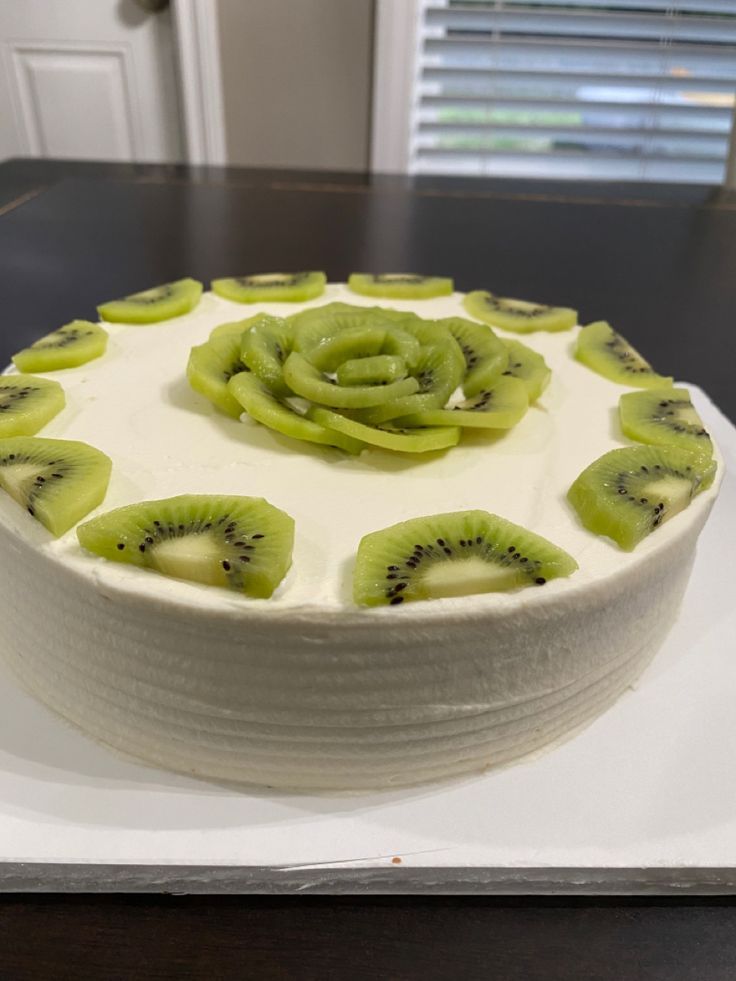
(585, 89)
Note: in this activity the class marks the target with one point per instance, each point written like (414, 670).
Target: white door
(89, 79)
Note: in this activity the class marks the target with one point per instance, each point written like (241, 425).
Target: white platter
(643, 800)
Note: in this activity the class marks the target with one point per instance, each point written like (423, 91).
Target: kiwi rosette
(352, 377)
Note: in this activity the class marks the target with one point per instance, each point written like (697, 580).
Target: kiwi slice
(271, 287)
(601, 348)
(212, 365)
(27, 403)
(438, 372)
(261, 404)
(69, 346)
(379, 370)
(242, 543)
(315, 327)
(485, 354)
(58, 481)
(352, 342)
(629, 492)
(400, 286)
(421, 329)
(499, 407)
(402, 345)
(233, 328)
(326, 310)
(529, 367)
(306, 380)
(401, 318)
(664, 416)
(518, 315)
(427, 332)
(390, 438)
(325, 314)
(264, 348)
(396, 408)
(455, 554)
(151, 306)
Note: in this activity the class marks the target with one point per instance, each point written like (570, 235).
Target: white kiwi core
(522, 306)
(191, 557)
(674, 492)
(263, 279)
(16, 479)
(463, 577)
(689, 415)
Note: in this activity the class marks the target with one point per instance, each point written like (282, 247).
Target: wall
(297, 82)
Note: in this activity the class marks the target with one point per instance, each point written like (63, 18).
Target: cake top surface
(164, 439)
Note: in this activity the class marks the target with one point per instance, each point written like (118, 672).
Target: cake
(307, 690)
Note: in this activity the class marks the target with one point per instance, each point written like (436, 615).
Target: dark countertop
(658, 262)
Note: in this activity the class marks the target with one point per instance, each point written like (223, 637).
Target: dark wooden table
(659, 263)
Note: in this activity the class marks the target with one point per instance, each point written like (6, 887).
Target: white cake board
(644, 800)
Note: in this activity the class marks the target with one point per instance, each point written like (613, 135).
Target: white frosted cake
(306, 689)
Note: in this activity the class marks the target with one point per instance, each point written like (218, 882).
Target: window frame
(397, 37)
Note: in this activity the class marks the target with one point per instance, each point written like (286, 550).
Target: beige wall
(297, 82)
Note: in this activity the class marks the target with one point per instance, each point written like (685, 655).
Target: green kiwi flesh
(485, 354)
(240, 543)
(664, 416)
(402, 345)
(429, 333)
(520, 316)
(153, 305)
(57, 481)
(314, 328)
(628, 493)
(500, 407)
(379, 370)
(263, 349)
(406, 406)
(321, 326)
(258, 400)
(529, 367)
(271, 287)
(438, 371)
(306, 380)
(323, 312)
(233, 328)
(350, 343)
(609, 354)
(390, 373)
(406, 332)
(456, 554)
(72, 345)
(27, 403)
(400, 286)
(389, 438)
(212, 365)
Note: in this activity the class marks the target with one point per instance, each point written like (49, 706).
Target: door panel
(49, 81)
(96, 84)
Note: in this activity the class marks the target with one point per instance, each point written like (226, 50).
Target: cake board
(642, 801)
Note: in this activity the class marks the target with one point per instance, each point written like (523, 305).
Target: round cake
(307, 689)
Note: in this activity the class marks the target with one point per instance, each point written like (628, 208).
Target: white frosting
(305, 689)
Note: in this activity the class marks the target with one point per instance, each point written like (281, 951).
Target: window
(582, 89)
